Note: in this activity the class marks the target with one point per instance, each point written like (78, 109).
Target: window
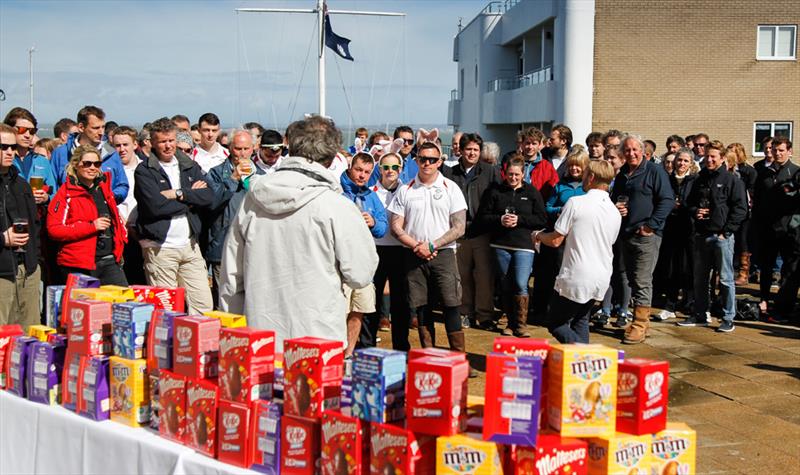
(762, 130)
(776, 42)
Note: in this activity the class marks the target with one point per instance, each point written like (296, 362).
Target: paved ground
(739, 391)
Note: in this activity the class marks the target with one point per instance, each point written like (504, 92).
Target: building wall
(677, 66)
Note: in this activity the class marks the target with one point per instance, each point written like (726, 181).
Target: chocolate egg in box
(246, 364)
(378, 385)
(202, 399)
(130, 323)
(313, 370)
(341, 444)
(54, 295)
(45, 369)
(172, 402)
(130, 397)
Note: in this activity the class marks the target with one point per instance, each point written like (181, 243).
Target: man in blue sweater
(644, 197)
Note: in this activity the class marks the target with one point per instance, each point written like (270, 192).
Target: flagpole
(321, 64)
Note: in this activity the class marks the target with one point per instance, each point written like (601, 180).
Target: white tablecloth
(35, 438)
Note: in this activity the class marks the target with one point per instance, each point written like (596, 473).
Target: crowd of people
(308, 237)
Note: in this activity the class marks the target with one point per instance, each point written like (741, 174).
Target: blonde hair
(77, 156)
(578, 156)
(738, 149)
(602, 171)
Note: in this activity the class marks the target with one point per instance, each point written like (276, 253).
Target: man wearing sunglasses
(407, 152)
(91, 126)
(700, 144)
(27, 162)
(270, 151)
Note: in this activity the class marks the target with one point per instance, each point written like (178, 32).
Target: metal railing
(499, 7)
(534, 77)
(454, 96)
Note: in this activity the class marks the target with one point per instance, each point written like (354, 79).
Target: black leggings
(108, 271)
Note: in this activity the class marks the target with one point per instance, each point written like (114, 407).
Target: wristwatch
(179, 194)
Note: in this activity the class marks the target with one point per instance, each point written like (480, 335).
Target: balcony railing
(534, 77)
(500, 7)
(454, 95)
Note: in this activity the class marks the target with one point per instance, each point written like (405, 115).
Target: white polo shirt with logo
(209, 160)
(426, 209)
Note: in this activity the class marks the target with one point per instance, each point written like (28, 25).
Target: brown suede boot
(458, 343)
(521, 308)
(427, 336)
(744, 269)
(637, 331)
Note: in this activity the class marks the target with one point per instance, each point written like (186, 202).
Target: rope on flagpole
(344, 89)
(311, 37)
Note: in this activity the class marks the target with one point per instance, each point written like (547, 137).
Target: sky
(144, 59)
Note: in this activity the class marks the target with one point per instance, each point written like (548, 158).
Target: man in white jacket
(295, 241)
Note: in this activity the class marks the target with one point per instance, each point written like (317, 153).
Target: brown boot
(427, 336)
(744, 269)
(637, 331)
(458, 343)
(521, 308)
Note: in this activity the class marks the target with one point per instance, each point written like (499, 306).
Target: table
(35, 438)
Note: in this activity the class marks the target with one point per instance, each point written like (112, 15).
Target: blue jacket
(368, 201)
(111, 163)
(564, 191)
(650, 197)
(34, 164)
(228, 197)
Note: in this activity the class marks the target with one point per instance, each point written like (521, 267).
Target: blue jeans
(711, 252)
(569, 321)
(514, 270)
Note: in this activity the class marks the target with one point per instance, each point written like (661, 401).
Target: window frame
(775, 28)
(771, 132)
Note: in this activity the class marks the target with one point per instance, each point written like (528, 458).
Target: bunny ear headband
(424, 136)
(387, 146)
(360, 145)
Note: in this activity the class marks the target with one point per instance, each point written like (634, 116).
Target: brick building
(725, 67)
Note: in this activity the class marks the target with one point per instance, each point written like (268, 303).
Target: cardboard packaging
(75, 281)
(130, 397)
(163, 298)
(623, 453)
(464, 455)
(202, 399)
(342, 452)
(246, 364)
(312, 375)
(346, 399)
(513, 391)
(130, 323)
(415, 353)
(674, 450)
(17, 365)
(436, 396)
(642, 396)
(299, 445)
(582, 390)
(233, 437)
(159, 339)
(172, 402)
(123, 294)
(45, 368)
(266, 426)
(7, 334)
(89, 327)
(553, 455)
(228, 320)
(71, 380)
(393, 450)
(52, 308)
(195, 346)
(378, 385)
(93, 399)
(539, 347)
(40, 332)
(155, 397)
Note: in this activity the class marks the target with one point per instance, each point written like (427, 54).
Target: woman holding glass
(84, 222)
(510, 211)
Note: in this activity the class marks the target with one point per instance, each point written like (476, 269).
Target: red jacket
(544, 178)
(70, 221)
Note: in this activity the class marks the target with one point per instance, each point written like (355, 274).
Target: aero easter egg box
(195, 346)
(436, 396)
(202, 398)
(299, 445)
(7, 334)
(164, 298)
(267, 437)
(513, 388)
(341, 445)
(313, 370)
(246, 364)
(130, 397)
(45, 369)
(52, 308)
(160, 339)
(582, 390)
(674, 450)
(172, 400)
(642, 396)
(17, 365)
(94, 401)
(89, 327)
(553, 455)
(463, 455)
(131, 321)
(623, 453)
(233, 436)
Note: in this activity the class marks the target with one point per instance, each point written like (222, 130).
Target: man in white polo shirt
(589, 226)
(208, 153)
(428, 215)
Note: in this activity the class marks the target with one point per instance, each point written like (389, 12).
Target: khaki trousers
(476, 267)
(183, 267)
(20, 301)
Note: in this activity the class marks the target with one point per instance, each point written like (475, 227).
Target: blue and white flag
(335, 42)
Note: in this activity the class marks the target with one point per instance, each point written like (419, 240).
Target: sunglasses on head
(8, 146)
(430, 160)
(91, 163)
(390, 167)
(273, 148)
(21, 130)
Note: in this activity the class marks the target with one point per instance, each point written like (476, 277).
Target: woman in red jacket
(84, 221)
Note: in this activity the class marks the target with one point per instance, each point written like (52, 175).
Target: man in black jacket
(776, 215)
(169, 190)
(474, 256)
(718, 205)
(19, 241)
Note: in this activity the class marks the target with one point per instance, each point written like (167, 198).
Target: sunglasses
(700, 144)
(187, 150)
(390, 167)
(7, 146)
(409, 141)
(21, 130)
(91, 163)
(429, 160)
(273, 148)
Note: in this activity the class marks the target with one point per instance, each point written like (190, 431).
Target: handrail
(454, 95)
(499, 6)
(524, 80)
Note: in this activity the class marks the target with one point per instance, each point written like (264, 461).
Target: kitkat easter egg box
(246, 364)
(511, 406)
(195, 346)
(7, 334)
(464, 455)
(436, 396)
(233, 435)
(341, 444)
(172, 402)
(130, 396)
(642, 396)
(300, 447)
(621, 454)
(553, 455)
(674, 450)
(313, 369)
(393, 450)
(582, 390)
(202, 397)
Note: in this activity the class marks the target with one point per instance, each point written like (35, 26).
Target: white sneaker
(708, 317)
(665, 315)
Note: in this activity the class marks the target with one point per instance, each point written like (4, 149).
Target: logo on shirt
(438, 194)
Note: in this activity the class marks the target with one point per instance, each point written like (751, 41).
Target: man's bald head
(241, 145)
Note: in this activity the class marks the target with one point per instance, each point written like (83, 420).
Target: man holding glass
(644, 198)
(19, 240)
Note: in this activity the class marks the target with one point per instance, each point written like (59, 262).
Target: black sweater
(728, 201)
(16, 201)
(529, 206)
